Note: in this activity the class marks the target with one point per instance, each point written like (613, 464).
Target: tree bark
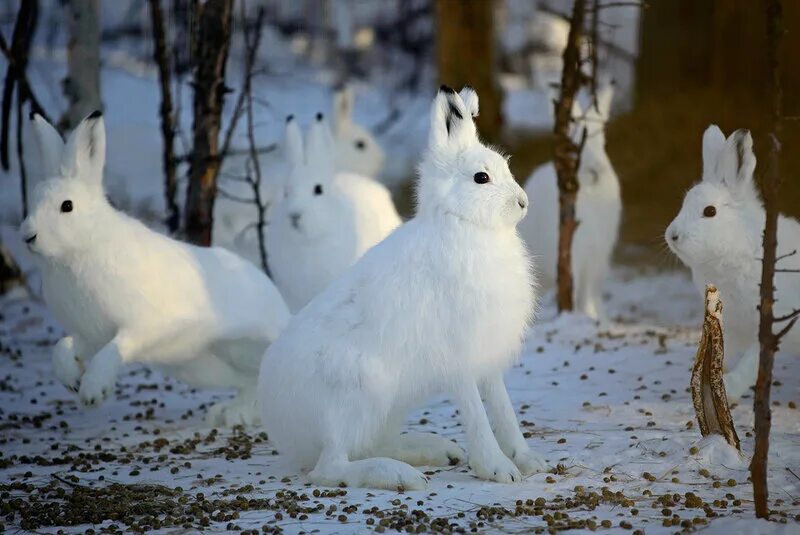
(567, 156)
(768, 340)
(161, 57)
(211, 44)
(708, 387)
(466, 56)
(82, 84)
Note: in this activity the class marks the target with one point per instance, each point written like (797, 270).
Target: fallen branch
(708, 387)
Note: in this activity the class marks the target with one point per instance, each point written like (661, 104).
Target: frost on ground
(609, 407)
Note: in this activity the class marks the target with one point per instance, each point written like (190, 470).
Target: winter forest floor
(607, 406)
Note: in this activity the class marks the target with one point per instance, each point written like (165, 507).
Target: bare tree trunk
(10, 274)
(82, 84)
(567, 156)
(161, 56)
(466, 56)
(214, 21)
(767, 338)
(17, 57)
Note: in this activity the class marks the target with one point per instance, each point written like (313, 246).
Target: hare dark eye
(361, 144)
(66, 206)
(709, 211)
(318, 189)
(481, 178)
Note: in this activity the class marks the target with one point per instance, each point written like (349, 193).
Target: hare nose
(30, 239)
(522, 202)
(674, 236)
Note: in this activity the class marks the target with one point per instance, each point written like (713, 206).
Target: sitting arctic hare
(440, 306)
(128, 294)
(598, 210)
(325, 220)
(356, 150)
(718, 234)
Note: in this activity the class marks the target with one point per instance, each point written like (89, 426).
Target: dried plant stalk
(708, 388)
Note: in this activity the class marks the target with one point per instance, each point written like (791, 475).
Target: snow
(609, 405)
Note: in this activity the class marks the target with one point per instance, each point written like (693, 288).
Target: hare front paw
(96, 385)
(232, 413)
(495, 467)
(67, 365)
(529, 462)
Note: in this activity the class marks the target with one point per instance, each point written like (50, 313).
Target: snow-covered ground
(608, 406)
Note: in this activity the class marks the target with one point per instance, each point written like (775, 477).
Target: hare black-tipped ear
(320, 146)
(470, 98)
(451, 121)
(293, 142)
(48, 147)
(737, 162)
(85, 152)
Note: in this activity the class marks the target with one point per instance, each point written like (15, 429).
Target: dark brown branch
(787, 271)
(767, 339)
(17, 56)
(787, 255)
(161, 57)
(791, 315)
(252, 42)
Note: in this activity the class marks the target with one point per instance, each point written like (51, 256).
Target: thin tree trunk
(567, 156)
(82, 84)
(17, 57)
(466, 56)
(161, 57)
(767, 338)
(214, 21)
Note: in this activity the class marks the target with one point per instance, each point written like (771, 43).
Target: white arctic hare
(598, 210)
(356, 150)
(439, 306)
(127, 294)
(718, 235)
(324, 221)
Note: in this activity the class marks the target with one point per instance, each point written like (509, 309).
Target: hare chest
(78, 307)
(485, 303)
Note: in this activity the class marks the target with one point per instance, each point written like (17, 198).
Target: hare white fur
(325, 220)
(356, 150)
(718, 234)
(127, 294)
(598, 211)
(439, 306)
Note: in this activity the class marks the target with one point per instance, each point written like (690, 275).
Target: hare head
(356, 150)
(459, 175)
(311, 199)
(720, 216)
(69, 205)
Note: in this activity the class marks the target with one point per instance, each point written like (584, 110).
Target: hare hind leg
(334, 469)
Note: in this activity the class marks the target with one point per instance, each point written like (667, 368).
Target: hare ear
(737, 162)
(293, 142)
(343, 103)
(48, 147)
(85, 153)
(320, 145)
(713, 141)
(451, 124)
(470, 99)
